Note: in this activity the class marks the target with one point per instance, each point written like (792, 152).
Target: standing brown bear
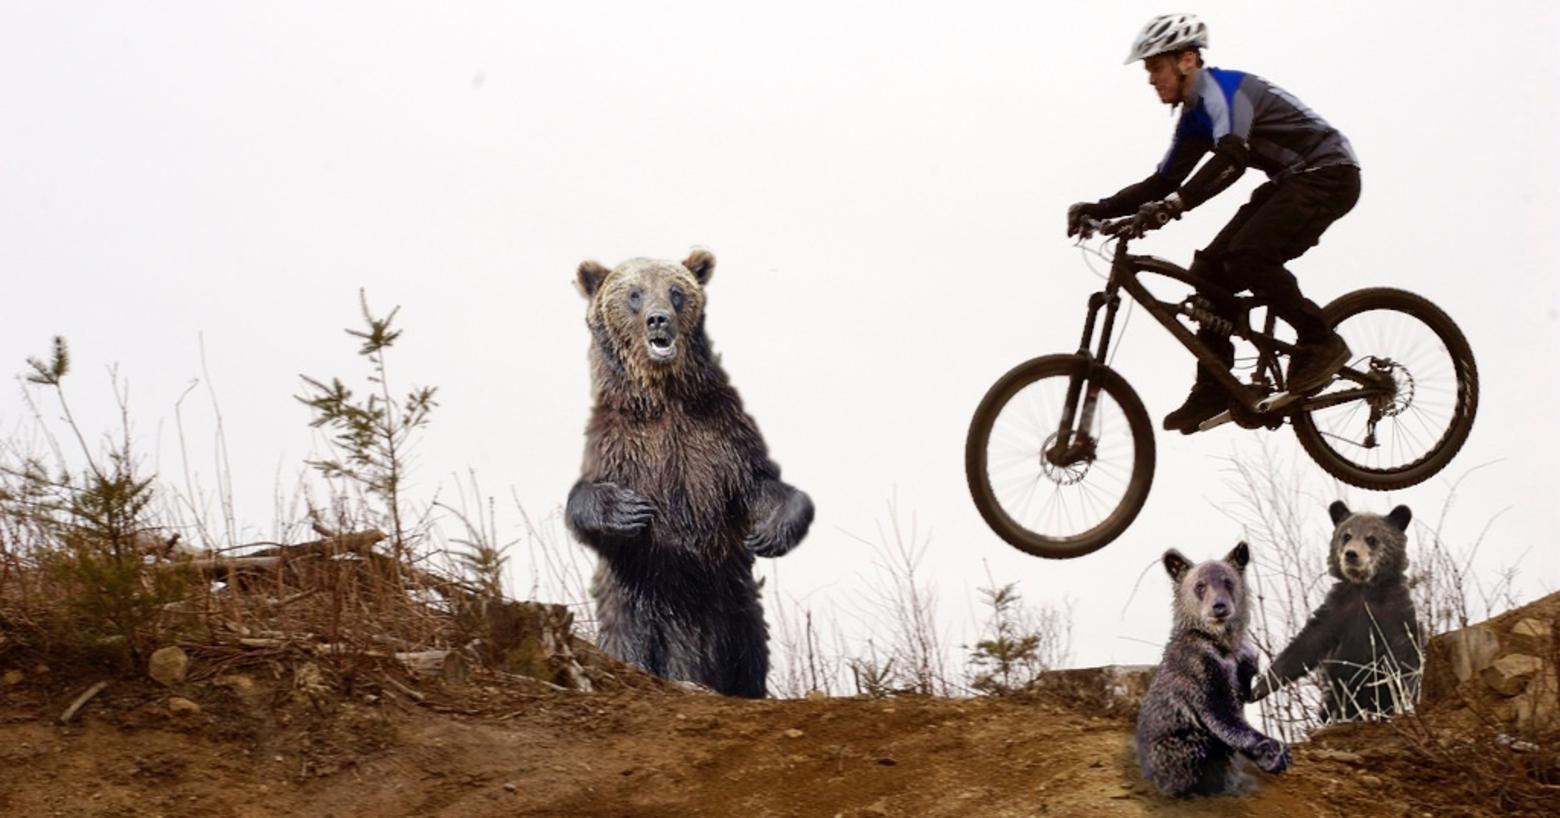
(678, 493)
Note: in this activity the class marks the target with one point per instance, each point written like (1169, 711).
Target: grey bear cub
(1364, 639)
(1191, 732)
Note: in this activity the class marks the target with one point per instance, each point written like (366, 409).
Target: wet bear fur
(677, 493)
(1191, 732)
(1364, 640)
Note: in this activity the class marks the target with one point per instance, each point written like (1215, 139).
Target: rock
(1538, 707)
(1532, 635)
(511, 787)
(11, 678)
(794, 733)
(168, 665)
(182, 707)
(1509, 674)
(1109, 689)
(241, 685)
(1464, 653)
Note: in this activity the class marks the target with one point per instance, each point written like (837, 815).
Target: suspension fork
(1073, 442)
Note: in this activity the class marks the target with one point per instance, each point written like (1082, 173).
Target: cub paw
(1272, 755)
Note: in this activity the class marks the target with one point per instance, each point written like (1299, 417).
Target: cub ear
(590, 276)
(1239, 556)
(1399, 518)
(1338, 511)
(700, 262)
(1176, 564)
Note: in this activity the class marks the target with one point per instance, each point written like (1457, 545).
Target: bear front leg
(1245, 671)
(605, 516)
(781, 516)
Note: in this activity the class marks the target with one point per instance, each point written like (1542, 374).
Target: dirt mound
(294, 734)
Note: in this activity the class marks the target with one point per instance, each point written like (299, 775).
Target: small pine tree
(374, 433)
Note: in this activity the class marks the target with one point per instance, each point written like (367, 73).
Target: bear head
(1368, 549)
(646, 316)
(1210, 596)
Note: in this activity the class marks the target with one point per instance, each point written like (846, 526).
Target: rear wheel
(1427, 392)
(1034, 498)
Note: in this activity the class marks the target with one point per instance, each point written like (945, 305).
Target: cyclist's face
(1164, 76)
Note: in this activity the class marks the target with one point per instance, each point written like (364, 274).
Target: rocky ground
(283, 734)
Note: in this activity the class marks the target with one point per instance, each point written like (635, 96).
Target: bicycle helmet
(1168, 32)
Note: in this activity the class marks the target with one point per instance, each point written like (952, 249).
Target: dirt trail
(645, 752)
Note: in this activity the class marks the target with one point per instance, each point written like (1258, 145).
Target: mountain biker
(1314, 178)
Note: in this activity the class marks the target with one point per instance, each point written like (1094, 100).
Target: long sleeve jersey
(1250, 121)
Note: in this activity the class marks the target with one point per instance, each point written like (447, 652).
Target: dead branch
(70, 712)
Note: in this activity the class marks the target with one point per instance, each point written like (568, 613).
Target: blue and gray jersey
(1249, 121)
(1282, 136)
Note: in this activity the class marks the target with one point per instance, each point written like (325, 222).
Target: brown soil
(641, 749)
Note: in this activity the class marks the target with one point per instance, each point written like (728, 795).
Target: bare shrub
(904, 603)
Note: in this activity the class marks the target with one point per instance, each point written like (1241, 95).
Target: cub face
(1368, 548)
(1211, 594)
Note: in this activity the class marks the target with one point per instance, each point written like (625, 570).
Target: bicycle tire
(979, 438)
(1464, 407)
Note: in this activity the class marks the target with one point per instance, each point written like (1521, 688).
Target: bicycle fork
(1074, 443)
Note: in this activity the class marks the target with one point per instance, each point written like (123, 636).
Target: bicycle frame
(1267, 402)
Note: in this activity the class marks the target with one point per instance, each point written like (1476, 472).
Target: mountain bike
(1060, 452)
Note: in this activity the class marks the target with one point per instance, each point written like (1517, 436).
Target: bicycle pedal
(1217, 420)
(1276, 401)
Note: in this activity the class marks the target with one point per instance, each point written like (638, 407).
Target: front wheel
(1055, 485)
(1424, 392)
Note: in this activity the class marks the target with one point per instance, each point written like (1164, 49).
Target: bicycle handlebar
(1108, 227)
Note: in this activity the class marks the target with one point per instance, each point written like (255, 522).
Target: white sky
(883, 185)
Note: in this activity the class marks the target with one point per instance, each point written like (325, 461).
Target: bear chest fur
(695, 470)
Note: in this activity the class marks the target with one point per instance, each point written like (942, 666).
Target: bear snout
(660, 335)
(1351, 557)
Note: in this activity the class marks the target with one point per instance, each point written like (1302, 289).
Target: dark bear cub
(1364, 639)
(678, 493)
(1191, 732)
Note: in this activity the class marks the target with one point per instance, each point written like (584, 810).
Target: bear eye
(1200, 588)
(677, 299)
(1229, 586)
(1370, 541)
(636, 299)
(1347, 536)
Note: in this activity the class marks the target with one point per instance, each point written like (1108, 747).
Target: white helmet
(1168, 32)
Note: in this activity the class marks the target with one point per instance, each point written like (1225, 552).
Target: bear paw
(1271, 755)
(624, 512)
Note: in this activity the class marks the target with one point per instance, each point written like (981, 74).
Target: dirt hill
(284, 736)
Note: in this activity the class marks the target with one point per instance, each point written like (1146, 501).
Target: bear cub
(1191, 732)
(1364, 640)
(677, 493)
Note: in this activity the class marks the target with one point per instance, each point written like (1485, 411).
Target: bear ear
(590, 276)
(1239, 556)
(1399, 518)
(700, 262)
(1176, 565)
(1338, 511)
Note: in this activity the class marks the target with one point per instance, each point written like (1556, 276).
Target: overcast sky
(883, 185)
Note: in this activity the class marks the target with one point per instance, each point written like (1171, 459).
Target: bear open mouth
(661, 345)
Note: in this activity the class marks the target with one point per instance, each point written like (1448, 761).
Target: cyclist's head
(1168, 33)
(1170, 47)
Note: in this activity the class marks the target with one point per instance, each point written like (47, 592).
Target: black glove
(1155, 215)
(1080, 211)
